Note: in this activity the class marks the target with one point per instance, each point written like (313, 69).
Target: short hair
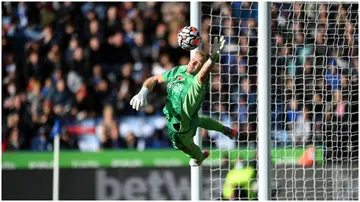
(203, 54)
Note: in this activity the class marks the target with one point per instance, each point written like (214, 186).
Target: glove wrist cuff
(214, 58)
(144, 90)
(211, 61)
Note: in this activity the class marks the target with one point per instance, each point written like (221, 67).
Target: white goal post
(196, 172)
(263, 139)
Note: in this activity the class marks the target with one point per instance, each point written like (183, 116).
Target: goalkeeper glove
(139, 100)
(217, 48)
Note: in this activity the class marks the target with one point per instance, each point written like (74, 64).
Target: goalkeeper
(185, 91)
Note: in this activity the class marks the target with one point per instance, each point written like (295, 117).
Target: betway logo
(158, 185)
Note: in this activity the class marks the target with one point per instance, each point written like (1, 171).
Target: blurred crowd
(314, 74)
(84, 61)
(315, 80)
(80, 61)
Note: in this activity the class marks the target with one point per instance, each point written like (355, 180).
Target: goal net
(314, 100)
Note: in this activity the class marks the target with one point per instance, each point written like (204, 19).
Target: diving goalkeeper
(185, 89)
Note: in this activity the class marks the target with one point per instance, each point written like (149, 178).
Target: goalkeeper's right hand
(139, 100)
(217, 48)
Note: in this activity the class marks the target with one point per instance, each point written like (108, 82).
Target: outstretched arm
(205, 71)
(207, 67)
(151, 82)
(139, 100)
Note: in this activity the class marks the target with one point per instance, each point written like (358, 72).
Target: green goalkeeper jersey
(184, 98)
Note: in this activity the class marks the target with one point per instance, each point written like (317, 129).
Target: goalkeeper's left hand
(139, 100)
(217, 48)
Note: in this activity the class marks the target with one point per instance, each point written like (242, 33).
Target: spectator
(82, 107)
(47, 41)
(95, 52)
(114, 141)
(67, 141)
(131, 141)
(35, 99)
(46, 117)
(293, 113)
(60, 98)
(117, 51)
(69, 51)
(126, 89)
(46, 88)
(141, 52)
(10, 68)
(79, 65)
(33, 68)
(113, 23)
(106, 128)
(94, 32)
(129, 32)
(40, 142)
(332, 77)
(301, 128)
(15, 142)
(102, 90)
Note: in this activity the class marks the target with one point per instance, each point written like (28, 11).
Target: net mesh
(232, 94)
(314, 99)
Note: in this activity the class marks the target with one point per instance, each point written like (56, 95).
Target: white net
(314, 100)
(232, 93)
